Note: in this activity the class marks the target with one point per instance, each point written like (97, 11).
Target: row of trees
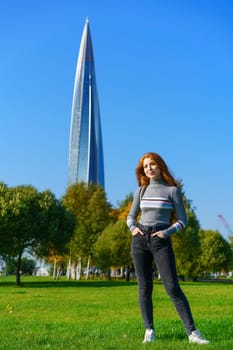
(83, 228)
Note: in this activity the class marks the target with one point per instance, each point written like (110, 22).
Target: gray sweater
(156, 205)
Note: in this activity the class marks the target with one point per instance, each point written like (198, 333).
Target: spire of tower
(86, 150)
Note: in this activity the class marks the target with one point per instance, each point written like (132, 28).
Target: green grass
(82, 315)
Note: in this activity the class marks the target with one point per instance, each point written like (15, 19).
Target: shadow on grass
(33, 283)
(48, 282)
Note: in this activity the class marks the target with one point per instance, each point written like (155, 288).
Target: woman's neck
(156, 180)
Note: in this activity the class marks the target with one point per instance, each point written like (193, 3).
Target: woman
(162, 214)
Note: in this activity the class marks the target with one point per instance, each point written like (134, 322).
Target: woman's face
(151, 170)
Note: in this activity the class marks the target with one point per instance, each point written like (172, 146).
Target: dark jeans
(144, 250)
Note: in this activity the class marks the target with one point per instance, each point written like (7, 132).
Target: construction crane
(225, 223)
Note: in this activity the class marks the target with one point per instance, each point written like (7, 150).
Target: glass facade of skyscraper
(86, 162)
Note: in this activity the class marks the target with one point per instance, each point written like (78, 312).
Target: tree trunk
(79, 269)
(127, 274)
(18, 270)
(54, 268)
(88, 267)
(68, 270)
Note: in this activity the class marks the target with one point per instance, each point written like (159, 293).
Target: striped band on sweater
(157, 203)
(178, 225)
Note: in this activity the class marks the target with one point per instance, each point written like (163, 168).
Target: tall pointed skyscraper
(86, 162)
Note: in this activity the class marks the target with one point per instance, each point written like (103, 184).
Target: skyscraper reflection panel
(86, 163)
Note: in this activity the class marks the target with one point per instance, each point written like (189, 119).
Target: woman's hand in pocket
(137, 231)
(158, 234)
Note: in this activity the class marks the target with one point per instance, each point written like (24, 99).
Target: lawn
(82, 315)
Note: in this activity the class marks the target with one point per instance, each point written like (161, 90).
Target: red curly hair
(143, 180)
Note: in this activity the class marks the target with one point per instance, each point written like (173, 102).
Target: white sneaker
(196, 337)
(149, 336)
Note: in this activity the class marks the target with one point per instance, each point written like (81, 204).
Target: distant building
(2, 267)
(41, 271)
(86, 163)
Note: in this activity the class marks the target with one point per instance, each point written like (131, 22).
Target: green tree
(113, 247)
(187, 250)
(92, 212)
(31, 221)
(27, 266)
(124, 207)
(186, 243)
(216, 253)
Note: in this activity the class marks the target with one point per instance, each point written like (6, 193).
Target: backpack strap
(142, 190)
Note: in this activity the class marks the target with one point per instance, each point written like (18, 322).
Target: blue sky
(165, 81)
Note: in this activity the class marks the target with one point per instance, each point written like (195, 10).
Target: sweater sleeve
(180, 213)
(134, 211)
